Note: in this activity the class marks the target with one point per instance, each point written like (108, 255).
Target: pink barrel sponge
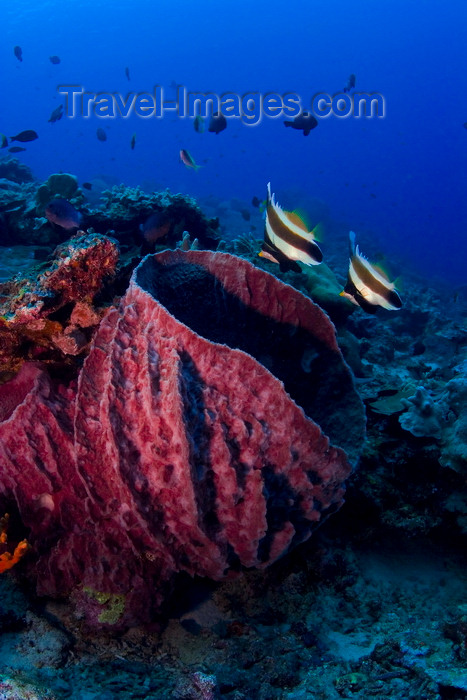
(195, 439)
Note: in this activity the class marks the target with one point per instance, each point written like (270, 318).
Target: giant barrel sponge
(211, 428)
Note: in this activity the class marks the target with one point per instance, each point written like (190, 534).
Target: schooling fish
(188, 160)
(18, 51)
(303, 122)
(133, 142)
(127, 73)
(16, 149)
(217, 123)
(4, 141)
(55, 60)
(87, 185)
(287, 239)
(350, 83)
(25, 136)
(101, 135)
(62, 213)
(367, 285)
(56, 115)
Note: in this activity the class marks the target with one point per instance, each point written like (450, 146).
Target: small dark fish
(101, 135)
(245, 214)
(217, 123)
(188, 160)
(16, 149)
(155, 227)
(465, 125)
(367, 286)
(25, 136)
(199, 124)
(87, 185)
(4, 141)
(287, 240)
(127, 73)
(61, 213)
(55, 60)
(303, 122)
(133, 142)
(56, 115)
(18, 51)
(255, 202)
(350, 83)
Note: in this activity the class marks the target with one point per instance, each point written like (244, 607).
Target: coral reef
(57, 185)
(122, 211)
(423, 417)
(181, 446)
(14, 170)
(47, 315)
(125, 208)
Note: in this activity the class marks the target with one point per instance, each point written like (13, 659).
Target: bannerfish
(188, 160)
(303, 122)
(18, 51)
(199, 124)
(350, 83)
(133, 142)
(368, 286)
(4, 141)
(101, 135)
(56, 115)
(287, 240)
(217, 123)
(156, 226)
(87, 185)
(16, 149)
(61, 213)
(55, 60)
(127, 73)
(25, 136)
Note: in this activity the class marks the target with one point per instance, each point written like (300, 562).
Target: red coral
(178, 450)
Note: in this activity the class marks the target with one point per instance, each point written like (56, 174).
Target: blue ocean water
(402, 177)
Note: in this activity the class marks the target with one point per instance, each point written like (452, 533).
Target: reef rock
(29, 307)
(194, 440)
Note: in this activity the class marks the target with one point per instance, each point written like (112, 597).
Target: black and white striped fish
(367, 285)
(287, 240)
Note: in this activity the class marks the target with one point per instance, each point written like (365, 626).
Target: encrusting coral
(9, 559)
(47, 316)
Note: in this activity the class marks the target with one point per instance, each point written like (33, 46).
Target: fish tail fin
(352, 243)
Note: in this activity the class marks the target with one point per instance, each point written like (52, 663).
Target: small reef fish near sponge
(287, 240)
(185, 444)
(367, 285)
